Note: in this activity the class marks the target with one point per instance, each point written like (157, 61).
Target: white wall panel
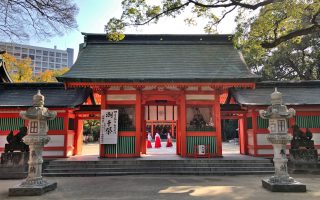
(251, 151)
(199, 97)
(56, 141)
(70, 139)
(264, 151)
(250, 139)
(3, 140)
(161, 113)
(52, 153)
(121, 97)
(316, 138)
(262, 139)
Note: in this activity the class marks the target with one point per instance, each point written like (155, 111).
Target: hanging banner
(109, 127)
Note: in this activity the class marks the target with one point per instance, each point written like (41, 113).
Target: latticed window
(34, 127)
(281, 125)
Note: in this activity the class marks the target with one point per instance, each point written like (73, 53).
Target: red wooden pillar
(78, 137)
(254, 131)
(243, 137)
(218, 122)
(183, 125)
(178, 150)
(138, 122)
(65, 131)
(143, 130)
(152, 130)
(103, 94)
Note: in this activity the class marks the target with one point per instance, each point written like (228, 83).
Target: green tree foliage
(290, 60)
(21, 19)
(293, 59)
(92, 129)
(19, 70)
(266, 22)
(50, 75)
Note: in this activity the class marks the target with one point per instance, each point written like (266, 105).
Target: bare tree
(21, 19)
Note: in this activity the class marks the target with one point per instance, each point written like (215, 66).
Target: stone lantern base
(294, 186)
(32, 189)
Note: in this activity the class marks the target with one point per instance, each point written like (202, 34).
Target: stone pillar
(278, 116)
(37, 137)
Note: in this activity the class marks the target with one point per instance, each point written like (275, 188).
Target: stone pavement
(152, 187)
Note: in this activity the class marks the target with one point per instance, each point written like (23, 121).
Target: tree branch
(160, 14)
(233, 3)
(277, 41)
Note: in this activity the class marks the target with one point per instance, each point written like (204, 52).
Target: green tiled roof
(159, 58)
(293, 93)
(21, 94)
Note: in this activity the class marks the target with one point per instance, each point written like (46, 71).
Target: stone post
(37, 137)
(278, 116)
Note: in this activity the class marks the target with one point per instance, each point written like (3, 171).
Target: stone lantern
(37, 137)
(278, 116)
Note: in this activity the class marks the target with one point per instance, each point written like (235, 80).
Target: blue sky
(94, 14)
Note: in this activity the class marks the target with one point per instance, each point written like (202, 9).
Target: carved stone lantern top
(38, 100)
(276, 97)
(38, 111)
(277, 109)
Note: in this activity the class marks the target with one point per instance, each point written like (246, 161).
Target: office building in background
(42, 58)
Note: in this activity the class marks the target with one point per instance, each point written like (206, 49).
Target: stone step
(110, 167)
(84, 174)
(159, 169)
(197, 161)
(98, 165)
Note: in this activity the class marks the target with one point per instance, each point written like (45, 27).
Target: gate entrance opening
(160, 134)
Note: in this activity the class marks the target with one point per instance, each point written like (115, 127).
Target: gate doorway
(230, 136)
(160, 134)
(233, 132)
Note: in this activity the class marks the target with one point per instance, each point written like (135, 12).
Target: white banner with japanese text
(109, 127)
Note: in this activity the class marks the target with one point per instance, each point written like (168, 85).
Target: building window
(39, 52)
(38, 64)
(64, 55)
(32, 51)
(44, 58)
(58, 55)
(17, 49)
(51, 65)
(24, 56)
(31, 57)
(45, 64)
(45, 53)
(24, 50)
(51, 53)
(58, 66)
(58, 60)
(38, 58)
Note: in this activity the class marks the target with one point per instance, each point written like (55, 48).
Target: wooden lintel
(182, 85)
